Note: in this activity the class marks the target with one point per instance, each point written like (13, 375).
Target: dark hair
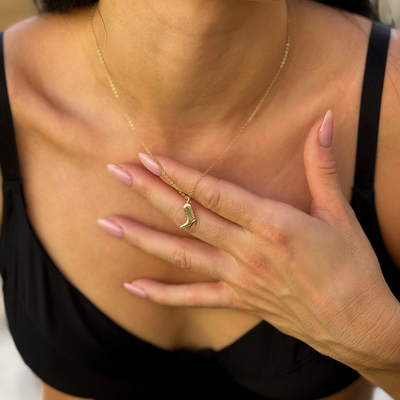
(362, 7)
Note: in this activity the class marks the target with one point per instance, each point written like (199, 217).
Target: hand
(314, 277)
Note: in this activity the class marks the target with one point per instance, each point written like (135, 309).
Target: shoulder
(24, 40)
(387, 173)
(36, 48)
(46, 69)
(33, 65)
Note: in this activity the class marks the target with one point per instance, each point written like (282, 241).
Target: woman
(299, 315)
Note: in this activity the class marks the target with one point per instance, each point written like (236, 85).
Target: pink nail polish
(120, 174)
(135, 290)
(150, 164)
(326, 130)
(111, 228)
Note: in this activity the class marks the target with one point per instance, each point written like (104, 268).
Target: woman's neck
(191, 66)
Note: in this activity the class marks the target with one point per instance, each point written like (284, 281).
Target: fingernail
(111, 228)
(120, 174)
(150, 164)
(326, 130)
(135, 290)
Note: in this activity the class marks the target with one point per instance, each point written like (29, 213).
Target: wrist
(381, 343)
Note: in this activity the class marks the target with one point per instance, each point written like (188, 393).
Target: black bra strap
(370, 109)
(8, 149)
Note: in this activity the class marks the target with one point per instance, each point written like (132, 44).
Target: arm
(384, 355)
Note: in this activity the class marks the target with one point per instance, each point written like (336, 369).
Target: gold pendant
(190, 218)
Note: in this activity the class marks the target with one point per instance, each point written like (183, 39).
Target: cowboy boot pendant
(190, 218)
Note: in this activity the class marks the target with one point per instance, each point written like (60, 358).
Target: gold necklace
(190, 217)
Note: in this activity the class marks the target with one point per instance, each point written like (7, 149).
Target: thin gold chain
(232, 141)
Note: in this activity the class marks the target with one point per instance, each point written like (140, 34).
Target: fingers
(224, 198)
(183, 252)
(209, 226)
(205, 295)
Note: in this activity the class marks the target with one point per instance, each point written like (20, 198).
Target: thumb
(329, 203)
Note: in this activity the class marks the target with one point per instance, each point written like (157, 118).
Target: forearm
(389, 381)
(381, 366)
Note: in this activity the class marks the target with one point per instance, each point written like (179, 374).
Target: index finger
(219, 196)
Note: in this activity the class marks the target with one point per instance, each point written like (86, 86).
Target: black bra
(75, 348)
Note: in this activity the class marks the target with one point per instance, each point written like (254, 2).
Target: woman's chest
(66, 192)
(97, 264)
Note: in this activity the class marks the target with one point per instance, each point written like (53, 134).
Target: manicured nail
(111, 228)
(135, 290)
(120, 174)
(326, 130)
(150, 164)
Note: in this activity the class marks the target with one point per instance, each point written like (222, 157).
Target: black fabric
(77, 349)
(8, 148)
(371, 106)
